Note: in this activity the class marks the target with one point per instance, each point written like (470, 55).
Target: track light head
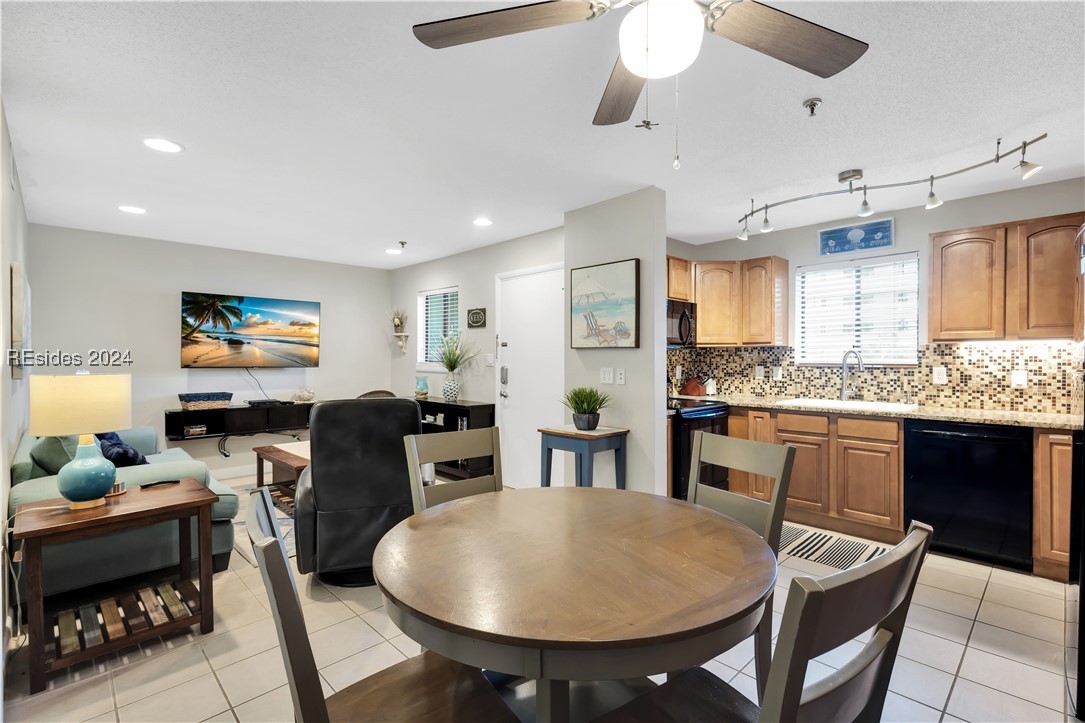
(1028, 168)
(766, 225)
(864, 210)
(932, 200)
(744, 234)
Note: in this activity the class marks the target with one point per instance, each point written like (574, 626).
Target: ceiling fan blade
(806, 45)
(508, 21)
(620, 97)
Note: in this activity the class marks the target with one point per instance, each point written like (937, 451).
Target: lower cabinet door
(809, 487)
(1053, 459)
(760, 430)
(868, 482)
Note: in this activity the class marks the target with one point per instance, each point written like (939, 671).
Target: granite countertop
(1045, 420)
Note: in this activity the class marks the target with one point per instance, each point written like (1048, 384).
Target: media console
(236, 420)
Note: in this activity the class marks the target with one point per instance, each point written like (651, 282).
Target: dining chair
(427, 687)
(766, 518)
(821, 615)
(443, 446)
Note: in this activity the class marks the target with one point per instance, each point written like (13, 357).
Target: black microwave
(681, 323)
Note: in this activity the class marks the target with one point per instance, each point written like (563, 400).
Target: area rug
(828, 548)
(284, 518)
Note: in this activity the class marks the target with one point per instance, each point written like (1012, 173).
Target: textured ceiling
(326, 131)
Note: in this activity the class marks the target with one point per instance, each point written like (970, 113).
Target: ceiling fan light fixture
(661, 38)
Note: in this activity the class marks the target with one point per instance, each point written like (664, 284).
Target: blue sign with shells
(859, 237)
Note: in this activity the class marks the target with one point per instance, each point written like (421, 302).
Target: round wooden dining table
(574, 583)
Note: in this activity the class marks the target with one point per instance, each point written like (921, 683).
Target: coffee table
(574, 583)
(287, 462)
(166, 607)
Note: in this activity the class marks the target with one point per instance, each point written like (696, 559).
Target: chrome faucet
(845, 392)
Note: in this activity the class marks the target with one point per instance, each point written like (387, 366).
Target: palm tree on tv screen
(199, 309)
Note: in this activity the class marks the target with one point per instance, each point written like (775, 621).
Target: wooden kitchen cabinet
(717, 290)
(809, 488)
(760, 430)
(1052, 470)
(868, 482)
(1017, 280)
(764, 308)
(679, 279)
(1042, 277)
(967, 294)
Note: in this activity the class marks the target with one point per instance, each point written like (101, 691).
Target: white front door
(530, 371)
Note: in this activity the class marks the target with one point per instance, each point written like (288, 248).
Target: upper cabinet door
(968, 285)
(1042, 278)
(679, 279)
(717, 290)
(764, 301)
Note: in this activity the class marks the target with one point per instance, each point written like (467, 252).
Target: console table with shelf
(458, 416)
(237, 420)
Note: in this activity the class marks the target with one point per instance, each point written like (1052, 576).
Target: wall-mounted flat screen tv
(220, 331)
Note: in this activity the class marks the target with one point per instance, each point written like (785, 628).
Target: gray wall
(912, 227)
(13, 393)
(98, 290)
(474, 272)
(630, 226)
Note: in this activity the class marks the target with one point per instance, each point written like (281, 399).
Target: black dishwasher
(973, 484)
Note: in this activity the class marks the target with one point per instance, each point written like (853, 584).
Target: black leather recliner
(356, 487)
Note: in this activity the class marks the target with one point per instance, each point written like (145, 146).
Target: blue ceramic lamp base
(86, 480)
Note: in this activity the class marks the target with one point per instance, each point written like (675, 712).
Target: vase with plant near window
(454, 354)
(585, 403)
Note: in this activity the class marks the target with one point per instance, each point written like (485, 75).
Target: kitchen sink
(847, 406)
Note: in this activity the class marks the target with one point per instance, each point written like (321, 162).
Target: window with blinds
(439, 312)
(871, 305)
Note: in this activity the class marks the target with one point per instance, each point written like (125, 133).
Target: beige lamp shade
(79, 404)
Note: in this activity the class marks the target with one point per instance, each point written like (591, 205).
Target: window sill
(429, 368)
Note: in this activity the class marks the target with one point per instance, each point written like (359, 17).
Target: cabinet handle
(1059, 437)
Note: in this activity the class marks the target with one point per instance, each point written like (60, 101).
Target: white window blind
(871, 305)
(439, 312)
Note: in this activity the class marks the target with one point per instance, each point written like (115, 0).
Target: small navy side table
(584, 445)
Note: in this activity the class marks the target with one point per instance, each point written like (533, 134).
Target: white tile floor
(981, 645)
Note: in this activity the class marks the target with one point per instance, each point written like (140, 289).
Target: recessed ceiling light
(132, 209)
(394, 252)
(161, 144)
(483, 221)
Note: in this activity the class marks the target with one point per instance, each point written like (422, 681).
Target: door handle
(504, 375)
(504, 395)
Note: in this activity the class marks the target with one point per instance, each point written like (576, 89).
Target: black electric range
(694, 415)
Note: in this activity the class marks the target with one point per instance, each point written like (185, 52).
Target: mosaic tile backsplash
(978, 375)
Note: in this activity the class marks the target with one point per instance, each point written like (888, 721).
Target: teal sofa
(71, 565)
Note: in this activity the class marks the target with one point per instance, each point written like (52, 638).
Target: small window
(439, 312)
(871, 305)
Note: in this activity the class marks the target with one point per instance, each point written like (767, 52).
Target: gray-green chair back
(823, 614)
(760, 458)
(445, 446)
(301, 670)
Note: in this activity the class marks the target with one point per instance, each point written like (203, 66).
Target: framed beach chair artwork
(605, 305)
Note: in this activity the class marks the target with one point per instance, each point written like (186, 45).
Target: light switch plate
(606, 375)
(1019, 379)
(759, 372)
(777, 374)
(619, 375)
(938, 376)
(489, 360)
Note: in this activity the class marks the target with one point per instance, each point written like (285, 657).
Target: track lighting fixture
(1028, 168)
(852, 176)
(864, 210)
(744, 234)
(932, 200)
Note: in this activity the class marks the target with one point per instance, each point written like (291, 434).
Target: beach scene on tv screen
(218, 330)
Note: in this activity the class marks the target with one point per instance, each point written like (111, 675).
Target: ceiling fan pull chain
(677, 161)
(646, 124)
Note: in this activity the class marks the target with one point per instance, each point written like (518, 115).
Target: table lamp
(82, 404)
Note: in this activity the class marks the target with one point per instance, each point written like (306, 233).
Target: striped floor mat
(828, 548)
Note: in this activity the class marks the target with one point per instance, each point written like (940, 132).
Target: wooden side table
(166, 607)
(287, 462)
(584, 445)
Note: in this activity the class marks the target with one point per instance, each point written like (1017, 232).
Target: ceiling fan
(660, 38)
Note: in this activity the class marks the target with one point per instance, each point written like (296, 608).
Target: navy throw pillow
(119, 453)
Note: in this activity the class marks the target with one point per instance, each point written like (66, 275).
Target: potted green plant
(454, 354)
(585, 403)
